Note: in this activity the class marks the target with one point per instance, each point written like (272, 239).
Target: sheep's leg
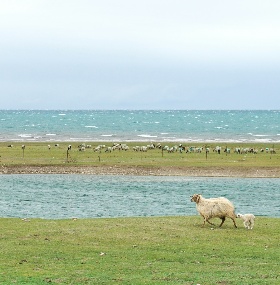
(252, 225)
(249, 225)
(209, 222)
(206, 219)
(234, 222)
(203, 222)
(223, 220)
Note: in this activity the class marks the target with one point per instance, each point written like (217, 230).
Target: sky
(148, 54)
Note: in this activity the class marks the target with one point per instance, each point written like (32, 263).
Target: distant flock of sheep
(170, 149)
(220, 208)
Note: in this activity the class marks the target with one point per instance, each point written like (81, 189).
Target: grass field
(40, 154)
(157, 250)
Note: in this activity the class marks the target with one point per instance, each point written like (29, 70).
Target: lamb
(214, 208)
(248, 220)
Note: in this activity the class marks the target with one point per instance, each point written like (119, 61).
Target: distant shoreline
(142, 140)
(238, 172)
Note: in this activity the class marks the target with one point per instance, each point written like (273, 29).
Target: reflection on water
(87, 196)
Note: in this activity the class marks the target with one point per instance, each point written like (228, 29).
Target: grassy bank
(40, 154)
(163, 250)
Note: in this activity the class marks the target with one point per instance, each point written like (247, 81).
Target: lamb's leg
(252, 224)
(223, 220)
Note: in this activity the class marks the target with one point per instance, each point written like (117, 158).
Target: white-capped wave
(94, 127)
(146, 136)
(25, 135)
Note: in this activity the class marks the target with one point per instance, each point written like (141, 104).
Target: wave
(147, 136)
(25, 135)
(94, 127)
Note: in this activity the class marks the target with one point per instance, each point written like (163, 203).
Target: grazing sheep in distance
(158, 145)
(98, 148)
(217, 149)
(248, 220)
(143, 148)
(214, 208)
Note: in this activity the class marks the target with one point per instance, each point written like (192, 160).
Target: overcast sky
(148, 54)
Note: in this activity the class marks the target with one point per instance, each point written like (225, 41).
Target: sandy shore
(254, 172)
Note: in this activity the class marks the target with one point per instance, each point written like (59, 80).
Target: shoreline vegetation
(253, 160)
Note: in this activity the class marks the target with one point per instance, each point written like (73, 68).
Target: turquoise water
(137, 125)
(89, 196)
(65, 196)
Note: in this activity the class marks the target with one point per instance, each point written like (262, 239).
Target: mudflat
(253, 172)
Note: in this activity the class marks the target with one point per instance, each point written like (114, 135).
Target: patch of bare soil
(261, 172)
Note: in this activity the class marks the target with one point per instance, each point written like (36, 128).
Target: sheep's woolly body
(248, 220)
(214, 207)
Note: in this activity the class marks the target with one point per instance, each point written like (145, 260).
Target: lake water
(85, 196)
(140, 125)
(90, 196)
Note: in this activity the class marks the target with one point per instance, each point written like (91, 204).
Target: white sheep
(143, 148)
(248, 220)
(214, 208)
(98, 148)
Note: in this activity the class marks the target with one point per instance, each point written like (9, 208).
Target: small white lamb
(248, 220)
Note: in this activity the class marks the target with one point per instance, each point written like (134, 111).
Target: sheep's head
(238, 215)
(195, 198)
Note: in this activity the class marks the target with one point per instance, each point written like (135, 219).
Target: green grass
(39, 154)
(157, 250)
(165, 250)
